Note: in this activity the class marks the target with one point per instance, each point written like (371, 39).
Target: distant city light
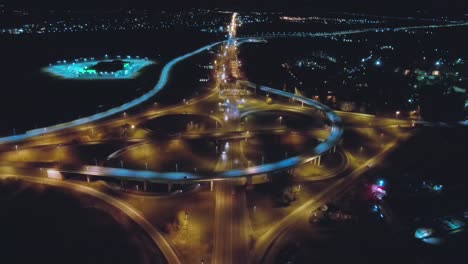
(375, 208)
(381, 183)
(422, 233)
(437, 188)
(378, 191)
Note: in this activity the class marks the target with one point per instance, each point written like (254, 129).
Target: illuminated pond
(105, 68)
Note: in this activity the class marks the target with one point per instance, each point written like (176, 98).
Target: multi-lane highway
(353, 31)
(231, 230)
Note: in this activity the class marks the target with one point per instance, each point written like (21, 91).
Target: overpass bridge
(336, 132)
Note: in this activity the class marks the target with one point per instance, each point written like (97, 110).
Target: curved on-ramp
(165, 73)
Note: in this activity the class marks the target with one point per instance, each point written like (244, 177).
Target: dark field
(46, 225)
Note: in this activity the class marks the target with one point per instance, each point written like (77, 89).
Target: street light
(16, 147)
(59, 153)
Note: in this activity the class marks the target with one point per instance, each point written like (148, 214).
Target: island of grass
(107, 67)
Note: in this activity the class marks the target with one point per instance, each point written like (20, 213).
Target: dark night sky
(328, 5)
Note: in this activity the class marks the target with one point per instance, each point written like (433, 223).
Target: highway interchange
(233, 240)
